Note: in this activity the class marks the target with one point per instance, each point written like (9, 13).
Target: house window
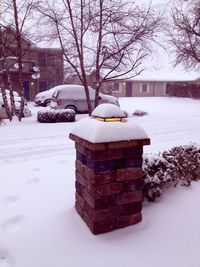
(50, 60)
(144, 88)
(43, 86)
(42, 59)
(116, 87)
(46, 59)
(51, 84)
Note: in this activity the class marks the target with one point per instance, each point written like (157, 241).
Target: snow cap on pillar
(100, 128)
(108, 112)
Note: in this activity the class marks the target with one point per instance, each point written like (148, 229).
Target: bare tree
(2, 86)
(16, 15)
(185, 35)
(109, 38)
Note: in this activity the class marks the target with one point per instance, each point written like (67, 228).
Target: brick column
(109, 183)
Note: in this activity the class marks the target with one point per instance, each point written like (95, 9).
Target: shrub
(46, 116)
(65, 115)
(51, 116)
(139, 113)
(179, 165)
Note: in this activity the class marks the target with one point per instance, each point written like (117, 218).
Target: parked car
(8, 93)
(73, 97)
(44, 98)
(17, 99)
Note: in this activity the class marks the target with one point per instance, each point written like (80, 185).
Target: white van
(73, 96)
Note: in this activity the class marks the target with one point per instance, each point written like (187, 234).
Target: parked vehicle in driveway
(44, 98)
(17, 99)
(73, 96)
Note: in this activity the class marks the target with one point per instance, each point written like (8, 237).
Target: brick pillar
(109, 183)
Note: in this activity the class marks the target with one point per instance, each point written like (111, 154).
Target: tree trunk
(88, 98)
(12, 100)
(5, 101)
(97, 95)
(19, 59)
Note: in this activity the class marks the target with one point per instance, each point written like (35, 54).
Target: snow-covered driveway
(39, 225)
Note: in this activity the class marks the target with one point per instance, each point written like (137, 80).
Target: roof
(10, 30)
(167, 75)
(164, 75)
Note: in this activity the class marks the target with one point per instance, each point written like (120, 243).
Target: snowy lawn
(39, 226)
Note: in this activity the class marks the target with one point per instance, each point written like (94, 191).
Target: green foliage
(51, 116)
(67, 115)
(179, 165)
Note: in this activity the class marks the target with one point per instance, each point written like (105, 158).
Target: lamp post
(36, 76)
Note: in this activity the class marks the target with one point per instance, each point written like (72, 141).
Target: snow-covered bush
(50, 116)
(65, 115)
(186, 164)
(46, 116)
(179, 165)
(140, 113)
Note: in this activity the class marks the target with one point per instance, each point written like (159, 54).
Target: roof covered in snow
(168, 74)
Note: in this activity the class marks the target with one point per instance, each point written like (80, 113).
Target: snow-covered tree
(185, 33)
(109, 38)
(14, 15)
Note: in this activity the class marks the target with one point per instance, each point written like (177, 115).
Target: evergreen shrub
(65, 115)
(179, 165)
(52, 116)
(140, 113)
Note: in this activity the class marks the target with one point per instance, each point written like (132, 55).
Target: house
(169, 81)
(152, 83)
(74, 79)
(42, 67)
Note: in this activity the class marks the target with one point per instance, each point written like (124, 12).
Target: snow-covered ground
(39, 226)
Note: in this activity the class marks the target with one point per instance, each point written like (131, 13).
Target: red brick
(80, 178)
(102, 214)
(80, 167)
(126, 174)
(131, 143)
(79, 188)
(110, 145)
(87, 173)
(101, 227)
(128, 220)
(129, 197)
(80, 200)
(101, 202)
(103, 190)
(79, 209)
(129, 174)
(80, 148)
(112, 224)
(110, 154)
(103, 178)
(131, 208)
(133, 185)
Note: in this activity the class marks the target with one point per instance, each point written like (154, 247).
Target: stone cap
(96, 131)
(109, 145)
